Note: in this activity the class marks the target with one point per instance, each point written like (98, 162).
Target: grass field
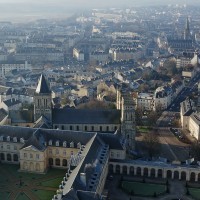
(44, 194)
(195, 193)
(52, 183)
(4, 195)
(22, 196)
(11, 180)
(144, 129)
(144, 189)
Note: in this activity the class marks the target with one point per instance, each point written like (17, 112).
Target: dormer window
(8, 139)
(79, 145)
(22, 140)
(1, 138)
(57, 143)
(72, 144)
(50, 142)
(64, 144)
(15, 139)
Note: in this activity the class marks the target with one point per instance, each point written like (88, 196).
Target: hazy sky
(13, 9)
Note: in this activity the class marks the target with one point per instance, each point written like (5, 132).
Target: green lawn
(144, 129)
(145, 189)
(22, 196)
(195, 193)
(44, 194)
(52, 183)
(52, 179)
(4, 195)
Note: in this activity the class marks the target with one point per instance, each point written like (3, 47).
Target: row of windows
(37, 156)
(113, 155)
(86, 128)
(58, 152)
(8, 147)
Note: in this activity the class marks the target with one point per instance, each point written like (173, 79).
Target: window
(62, 127)
(15, 147)
(31, 155)
(72, 144)
(100, 128)
(57, 151)
(77, 128)
(92, 128)
(112, 154)
(14, 139)
(70, 128)
(85, 128)
(64, 144)
(25, 155)
(8, 146)
(37, 156)
(57, 143)
(107, 128)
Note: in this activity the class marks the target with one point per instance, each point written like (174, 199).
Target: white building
(7, 67)
(145, 101)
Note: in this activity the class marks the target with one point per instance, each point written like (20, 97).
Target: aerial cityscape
(99, 100)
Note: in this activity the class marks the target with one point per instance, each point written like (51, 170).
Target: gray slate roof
(80, 116)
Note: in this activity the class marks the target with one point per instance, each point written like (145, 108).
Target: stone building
(93, 120)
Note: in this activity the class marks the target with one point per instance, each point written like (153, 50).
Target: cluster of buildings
(80, 141)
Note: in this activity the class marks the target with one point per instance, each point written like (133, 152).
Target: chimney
(83, 178)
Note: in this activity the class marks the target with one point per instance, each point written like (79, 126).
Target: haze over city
(23, 10)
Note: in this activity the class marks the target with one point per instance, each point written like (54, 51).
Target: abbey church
(107, 121)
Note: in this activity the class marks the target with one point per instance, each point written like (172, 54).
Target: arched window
(57, 162)
(50, 161)
(2, 156)
(9, 157)
(64, 163)
(107, 128)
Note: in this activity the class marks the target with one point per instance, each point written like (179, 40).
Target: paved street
(192, 87)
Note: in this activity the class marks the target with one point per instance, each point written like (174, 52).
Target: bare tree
(151, 143)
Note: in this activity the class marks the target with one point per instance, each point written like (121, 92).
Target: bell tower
(128, 126)
(42, 100)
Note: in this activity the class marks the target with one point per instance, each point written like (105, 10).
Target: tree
(151, 143)
(138, 116)
(152, 118)
(195, 151)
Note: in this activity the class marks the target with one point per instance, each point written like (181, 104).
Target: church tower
(128, 126)
(42, 100)
(187, 34)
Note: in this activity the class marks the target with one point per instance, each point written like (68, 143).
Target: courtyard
(26, 186)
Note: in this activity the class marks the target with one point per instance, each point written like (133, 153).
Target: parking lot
(171, 147)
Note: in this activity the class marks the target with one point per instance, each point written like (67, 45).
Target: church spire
(42, 87)
(187, 26)
(187, 30)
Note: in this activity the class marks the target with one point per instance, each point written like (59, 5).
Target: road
(186, 91)
(172, 148)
